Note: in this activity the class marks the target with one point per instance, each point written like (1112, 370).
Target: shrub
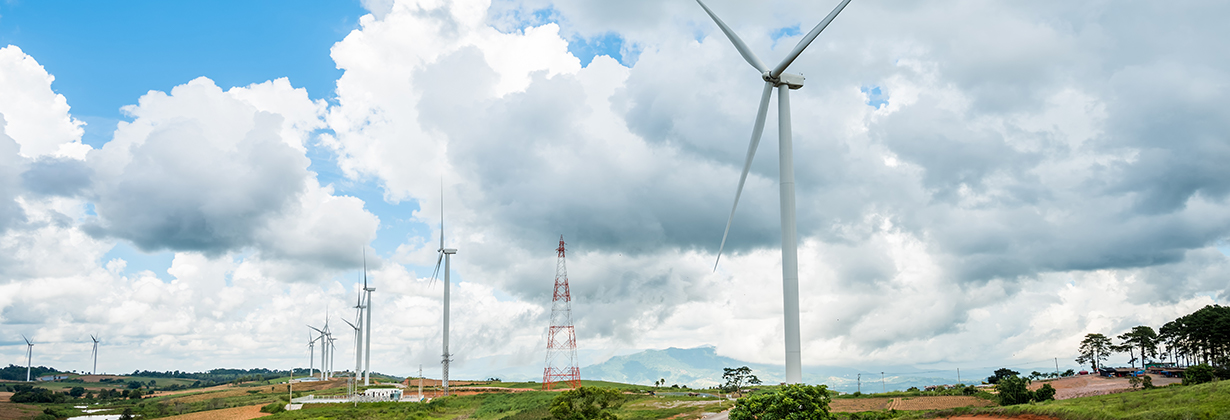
(1198, 374)
(273, 408)
(586, 403)
(1013, 390)
(791, 402)
(1046, 393)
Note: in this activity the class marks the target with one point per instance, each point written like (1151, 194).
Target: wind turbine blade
(757, 130)
(734, 39)
(351, 325)
(441, 214)
(364, 267)
(436, 273)
(803, 43)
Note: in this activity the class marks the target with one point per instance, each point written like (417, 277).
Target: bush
(791, 402)
(1013, 390)
(273, 408)
(1198, 374)
(1046, 393)
(586, 403)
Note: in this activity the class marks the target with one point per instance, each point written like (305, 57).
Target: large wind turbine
(445, 254)
(29, 355)
(368, 329)
(95, 354)
(777, 77)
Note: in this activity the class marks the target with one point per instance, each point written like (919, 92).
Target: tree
(586, 403)
(1013, 390)
(1047, 392)
(1093, 350)
(76, 392)
(1000, 374)
(1144, 339)
(737, 377)
(791, 402)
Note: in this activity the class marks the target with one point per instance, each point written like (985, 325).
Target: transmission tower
(561, 338)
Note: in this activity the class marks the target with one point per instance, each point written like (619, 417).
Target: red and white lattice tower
(561, 338)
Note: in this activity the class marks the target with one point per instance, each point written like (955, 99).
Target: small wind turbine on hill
(95, 354)
(325, 351)
(777, 77)
(311, 355)
(29, 355)
(358, 349)
(445, 254)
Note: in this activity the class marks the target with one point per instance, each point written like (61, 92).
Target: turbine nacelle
(793, 81)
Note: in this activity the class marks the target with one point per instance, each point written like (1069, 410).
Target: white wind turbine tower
(95, 354)
(358, 349)
(324, 351)
(368, 329)
(311, 355)
(358, 357)
(29, 355)
(445, 254)
(784, 82)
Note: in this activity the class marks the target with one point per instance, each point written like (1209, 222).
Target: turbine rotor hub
(793, 81)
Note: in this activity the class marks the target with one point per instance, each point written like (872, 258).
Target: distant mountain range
(701, 367)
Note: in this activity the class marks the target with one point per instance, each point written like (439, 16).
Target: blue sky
(105, 55)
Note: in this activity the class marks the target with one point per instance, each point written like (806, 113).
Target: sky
(978, 183)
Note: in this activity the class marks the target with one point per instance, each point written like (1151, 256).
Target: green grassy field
(509, 406)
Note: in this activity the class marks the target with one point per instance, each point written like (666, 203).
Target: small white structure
(382, 394)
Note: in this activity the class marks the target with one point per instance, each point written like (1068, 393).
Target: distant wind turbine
(358, 350)
(95, 354)
(445, 254)
(29, 355)
(367, 330)
(311, 354)
(776, 77)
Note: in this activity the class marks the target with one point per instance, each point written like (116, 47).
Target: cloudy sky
(979, 183)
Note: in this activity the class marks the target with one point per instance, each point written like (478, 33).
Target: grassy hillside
(502, 406)
(1210, 400)
(1205, 401)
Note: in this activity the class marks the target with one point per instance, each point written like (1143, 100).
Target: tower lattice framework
(561, 337)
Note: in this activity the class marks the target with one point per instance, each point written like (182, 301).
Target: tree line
(1201, 337)
(18, 373)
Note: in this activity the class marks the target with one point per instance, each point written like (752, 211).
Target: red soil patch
(854, 405)
(236, 413)
(1089, 385)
